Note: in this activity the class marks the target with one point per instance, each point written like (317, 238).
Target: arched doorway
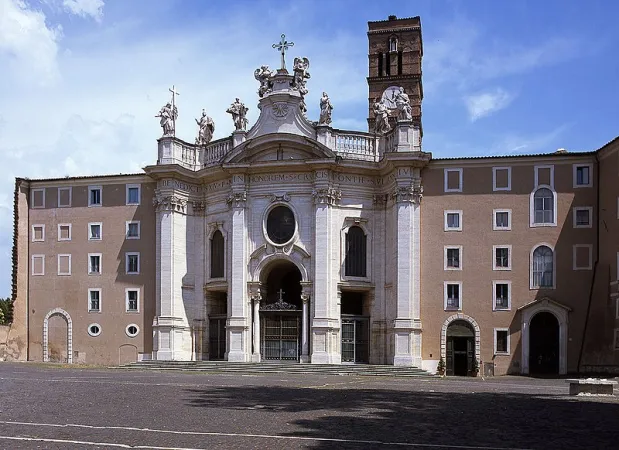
(281, 313)
(58, 336)
(544, 344)
(460, 349)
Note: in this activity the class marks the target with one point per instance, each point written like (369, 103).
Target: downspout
(597, 259)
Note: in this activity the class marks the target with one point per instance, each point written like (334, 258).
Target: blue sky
(82, 79)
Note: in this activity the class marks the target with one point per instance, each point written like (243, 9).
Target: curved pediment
(278, 147)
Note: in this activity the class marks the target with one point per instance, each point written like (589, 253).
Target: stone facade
(294, 241)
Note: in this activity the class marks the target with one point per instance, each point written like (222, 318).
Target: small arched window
(393, 44)
(543, 267)
(355, 261)
(543, 206)
(217, 255)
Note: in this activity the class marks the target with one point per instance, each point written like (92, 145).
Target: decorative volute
(280, 110)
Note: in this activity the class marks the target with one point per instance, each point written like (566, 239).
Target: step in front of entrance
(262, 368)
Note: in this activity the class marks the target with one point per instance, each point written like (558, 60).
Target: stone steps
(268, 367)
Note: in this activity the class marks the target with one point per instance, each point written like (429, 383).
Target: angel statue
(238, 111)
(325, 110)
(263, 75)
(381, 115)
(205, 130)
(301, 74)
(403, 105)
(168, 115)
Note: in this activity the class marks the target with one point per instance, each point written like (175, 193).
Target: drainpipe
(597, 259)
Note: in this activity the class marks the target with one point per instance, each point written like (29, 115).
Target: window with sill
(94, 196)
(132, 300)
(543, 206)
(502, 219)
(217, 255)
(94, 231)
(452, 258)
(133, 194)
(132, 263)
(133, 230)
(502, 258)
(583, 176)
(355, 260)
(94, 264)
(453, 220)
(452, 296)
(543, 267)
(94, 300)
(501, 341)
(501, 296)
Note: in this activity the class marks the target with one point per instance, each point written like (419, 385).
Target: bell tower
(394, 60)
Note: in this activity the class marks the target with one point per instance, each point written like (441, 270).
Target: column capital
(237, 199)
(329, 196)
(163, 202)
(409, 194)
(305, 298)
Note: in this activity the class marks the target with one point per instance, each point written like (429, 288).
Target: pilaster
(172, 337)
(237, 328)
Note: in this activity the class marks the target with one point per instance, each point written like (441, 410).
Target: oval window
(94, 329)
(280, 225)
(132, 330)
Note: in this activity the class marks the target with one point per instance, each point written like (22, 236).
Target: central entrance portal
(280, 315)
(460, 350)
(355, 328)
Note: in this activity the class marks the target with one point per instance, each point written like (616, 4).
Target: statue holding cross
(282, 46)
(168, 115)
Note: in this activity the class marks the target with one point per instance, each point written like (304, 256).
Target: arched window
(355, 260)
(543, 265)
(393, 44)
(217, 255)
(543, 206)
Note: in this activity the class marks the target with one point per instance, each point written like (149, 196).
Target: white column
(256, 355)
(237, 326)
(305, 329)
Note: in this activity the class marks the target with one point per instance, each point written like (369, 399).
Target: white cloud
(484, 103)
(85, 8)
(28, 45)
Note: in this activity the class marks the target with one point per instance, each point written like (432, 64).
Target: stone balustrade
(355, 145)
(215, 151)
(175, 151)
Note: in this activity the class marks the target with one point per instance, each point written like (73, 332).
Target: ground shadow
(501, 420)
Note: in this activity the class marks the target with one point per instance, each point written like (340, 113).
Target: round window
(132, 330)
(280, 225)
(94, 329)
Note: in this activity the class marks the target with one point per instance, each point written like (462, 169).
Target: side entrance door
(355, 339)
(217, 338)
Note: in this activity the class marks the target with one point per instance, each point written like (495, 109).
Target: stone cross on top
(282, 46)
(281, 291)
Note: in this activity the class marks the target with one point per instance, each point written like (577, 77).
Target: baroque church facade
(293, 241)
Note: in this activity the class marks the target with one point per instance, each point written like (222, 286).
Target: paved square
(59, 408)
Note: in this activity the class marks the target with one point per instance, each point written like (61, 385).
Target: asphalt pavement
(49, 407)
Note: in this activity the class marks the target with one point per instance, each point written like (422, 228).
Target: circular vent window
(94, 329)
(132, 330)
(280, 225)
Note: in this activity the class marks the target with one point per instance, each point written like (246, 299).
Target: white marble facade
(331, 181)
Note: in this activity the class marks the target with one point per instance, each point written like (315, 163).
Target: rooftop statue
(168, 116)
(264, 75)
(403, 105)
(205, 130)
(325, 110)
(381, 114)
(301, 74)
(238, 111)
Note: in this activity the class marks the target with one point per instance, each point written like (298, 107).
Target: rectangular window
(582, 175)
(453, 220)
(453, 258)
(64, 264)
(64, 231)
(582, 216)
(38, 233)
(133, 229)
(501, 178)
(94, 300)
(94, 196)
(582, 256)
(544, 176)
(38, 264)
(502, 257)
(132, 297)
(453, 292)
(132, 263)
(501, 341)
(94, 263)
(64, 197)
(37, 199)
(133, 194)
(502, 219)
(94, 231)
(453, 180)
(502, 295)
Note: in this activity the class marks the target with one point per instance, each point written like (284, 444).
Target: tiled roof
(84, 177)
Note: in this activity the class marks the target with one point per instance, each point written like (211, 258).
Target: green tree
(6, 311)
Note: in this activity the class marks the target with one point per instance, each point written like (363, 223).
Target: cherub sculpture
(263, 75)
(301, 74)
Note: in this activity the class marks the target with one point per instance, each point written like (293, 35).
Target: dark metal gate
(280, 340)
(355, 339)
(217, 338)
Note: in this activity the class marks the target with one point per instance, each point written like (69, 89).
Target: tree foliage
(6, 311)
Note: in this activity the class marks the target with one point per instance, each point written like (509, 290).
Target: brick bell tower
(394, 60)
